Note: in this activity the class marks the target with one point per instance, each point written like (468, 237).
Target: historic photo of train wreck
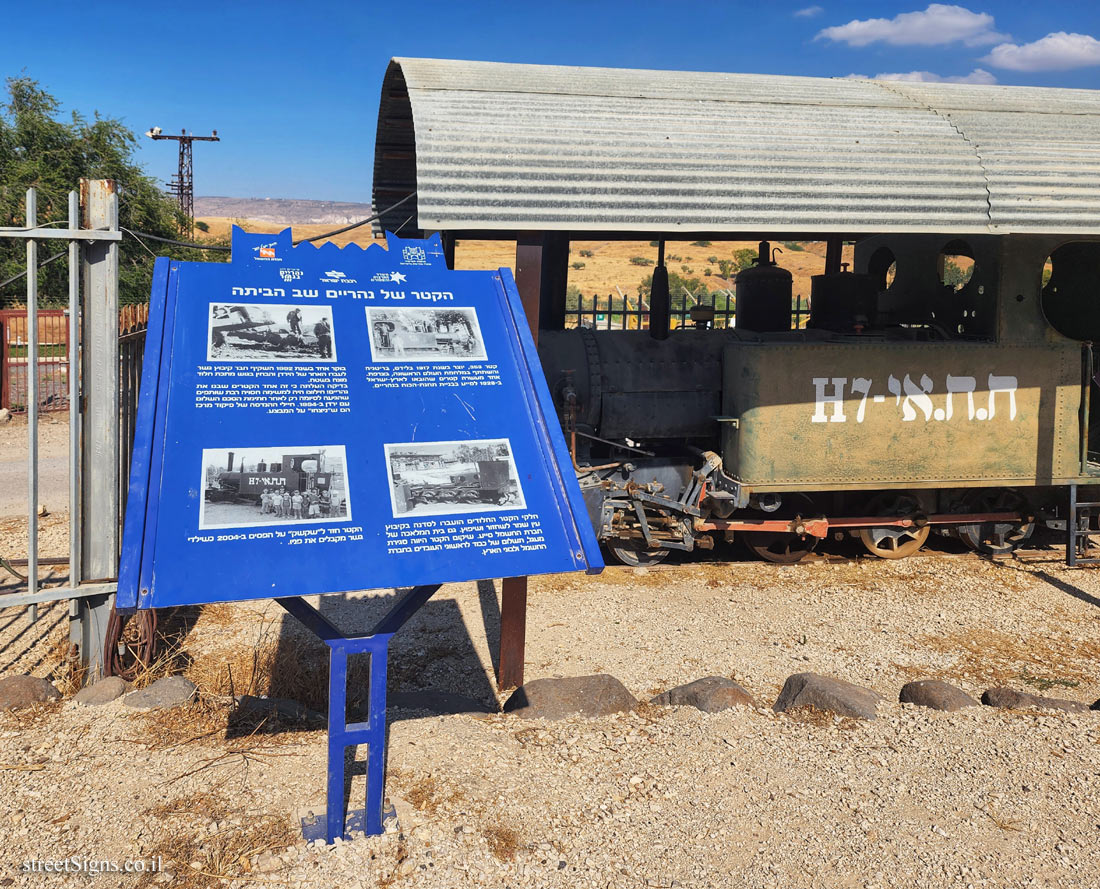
(425, 334)
(452, 477)
(271, 332)
(255, 487)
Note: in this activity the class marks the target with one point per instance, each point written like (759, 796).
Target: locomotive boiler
(293, 473)
(907, 406)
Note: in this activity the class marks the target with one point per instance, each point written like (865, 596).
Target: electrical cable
(42, 263)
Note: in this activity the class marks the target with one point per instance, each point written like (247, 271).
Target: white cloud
(809, 12)
(978, 75)
(1055, 52)
(938, 24)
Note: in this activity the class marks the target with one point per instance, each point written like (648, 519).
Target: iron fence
(52, 364)
(625, 312)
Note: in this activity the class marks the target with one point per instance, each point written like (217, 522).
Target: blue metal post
(341, 735)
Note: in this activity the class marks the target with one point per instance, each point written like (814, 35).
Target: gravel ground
(660, 797)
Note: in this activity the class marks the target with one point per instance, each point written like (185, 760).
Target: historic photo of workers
(256, 487)
(425, 334)
(453, 477)
(270, 332)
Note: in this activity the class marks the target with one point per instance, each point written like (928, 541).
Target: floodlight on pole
(182, 186)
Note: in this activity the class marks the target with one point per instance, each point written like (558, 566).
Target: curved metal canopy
(492, 147)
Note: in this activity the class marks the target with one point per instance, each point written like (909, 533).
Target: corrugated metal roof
(491, 146)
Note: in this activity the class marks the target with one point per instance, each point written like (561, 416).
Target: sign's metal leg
(513, 632)
(338, 739)
(376, 731)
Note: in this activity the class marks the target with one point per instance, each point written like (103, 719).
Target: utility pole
(182, 186)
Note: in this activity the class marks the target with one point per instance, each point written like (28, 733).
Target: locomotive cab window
(1071, 290)
(964, 304)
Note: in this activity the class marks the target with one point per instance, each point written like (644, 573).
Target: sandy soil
(663, 797)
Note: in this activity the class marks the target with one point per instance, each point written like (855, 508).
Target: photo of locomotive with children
(244, 488)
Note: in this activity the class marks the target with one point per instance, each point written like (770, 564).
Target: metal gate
(86, 356)
(53, 359)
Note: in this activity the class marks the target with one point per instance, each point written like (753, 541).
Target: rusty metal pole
(513, 596)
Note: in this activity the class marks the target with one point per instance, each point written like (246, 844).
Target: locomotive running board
(821, 527)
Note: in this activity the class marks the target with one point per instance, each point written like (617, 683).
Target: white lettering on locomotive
(913, 397)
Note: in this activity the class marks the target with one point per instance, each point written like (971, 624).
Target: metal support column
(99, 514)
(32, 403)
(338, 821)
(534, 261)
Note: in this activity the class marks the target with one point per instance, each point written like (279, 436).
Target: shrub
(672, 257)
(578, 265)
(793, 246)
(700, 243)
(708, 272)
(640, 260)
(653, 243)
(686, 269)
(713, 260)
(586, 253)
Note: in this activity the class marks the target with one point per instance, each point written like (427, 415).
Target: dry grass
(199, 859)
(994, 656)
(820, 718)
(425, 793)
(504, 842)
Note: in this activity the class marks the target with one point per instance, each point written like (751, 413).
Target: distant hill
(288, 210)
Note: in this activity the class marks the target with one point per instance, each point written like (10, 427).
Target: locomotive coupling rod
(820, 527)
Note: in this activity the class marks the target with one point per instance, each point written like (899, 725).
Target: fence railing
(623, 311)
(53, 355)
(88, 353)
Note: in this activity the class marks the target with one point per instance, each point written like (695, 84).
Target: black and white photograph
(453, 477)
(271, 332)
(425, 334)
(280, 485)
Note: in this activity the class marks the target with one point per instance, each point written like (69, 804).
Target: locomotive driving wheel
(888, 542)
(779, 546)
(634, 553)
(996, 538)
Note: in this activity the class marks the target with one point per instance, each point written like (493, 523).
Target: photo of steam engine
(425, 334)
(271, 332)
(253, 487)
(451, 477)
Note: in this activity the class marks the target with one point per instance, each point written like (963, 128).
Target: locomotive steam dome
(843, 301)
(764, 295)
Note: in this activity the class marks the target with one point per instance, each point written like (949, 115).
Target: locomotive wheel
(635, 554)
(428, 496)
(893, 543)
(995, 538)
(467, 497)
(779, 546)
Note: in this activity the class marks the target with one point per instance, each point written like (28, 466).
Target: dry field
(608, 267)
(662, 797)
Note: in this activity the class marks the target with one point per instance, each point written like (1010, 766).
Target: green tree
(677, 285)
(41, 149)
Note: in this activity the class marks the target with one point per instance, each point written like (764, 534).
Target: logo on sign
(333, 276)
(413, 255)
(289, 275)
(265, 251)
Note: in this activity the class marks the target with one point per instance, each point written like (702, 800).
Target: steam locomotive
(293, 473)
(910, 404)
(484, 481)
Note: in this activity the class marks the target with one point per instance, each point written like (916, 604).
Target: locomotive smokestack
(660, 302)
(229, 463)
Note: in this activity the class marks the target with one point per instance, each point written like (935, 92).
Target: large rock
(597, 695)
(1010, 699)
(171, 691)
(22, 691)
(5, 416)
(102, 692)
(935, 694)
(828, 694)
(710, 694)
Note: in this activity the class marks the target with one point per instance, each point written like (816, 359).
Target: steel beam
(99, 516)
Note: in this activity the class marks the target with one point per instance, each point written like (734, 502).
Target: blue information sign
(318, 419)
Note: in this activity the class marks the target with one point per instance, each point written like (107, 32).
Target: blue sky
(293, 88)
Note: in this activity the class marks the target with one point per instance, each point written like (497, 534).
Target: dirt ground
(662, 797)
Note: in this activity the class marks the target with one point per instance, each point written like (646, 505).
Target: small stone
(827, 693)
(598, 695)
(268, 862)
(171, 691)
(935, 694)
(102, 692)
(710, 695)
(17, 692)
(1010, 699)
